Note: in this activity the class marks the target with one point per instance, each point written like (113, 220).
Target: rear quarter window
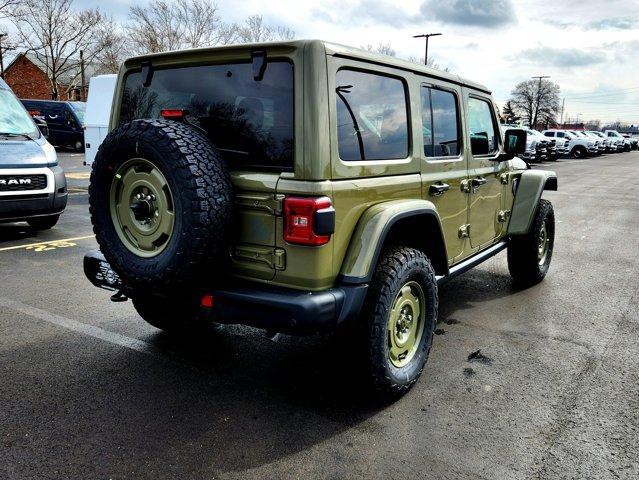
(372, 116)
(250, 122)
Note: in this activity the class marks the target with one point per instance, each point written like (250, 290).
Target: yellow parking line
(78, 176)
(39, 244)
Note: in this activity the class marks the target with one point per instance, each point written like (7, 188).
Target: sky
(589, 47)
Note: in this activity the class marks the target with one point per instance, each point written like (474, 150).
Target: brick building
(27, 78)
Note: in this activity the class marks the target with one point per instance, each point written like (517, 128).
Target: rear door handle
(438, 189)
(478, 182)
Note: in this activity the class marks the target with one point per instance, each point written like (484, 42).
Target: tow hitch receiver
(100, 273)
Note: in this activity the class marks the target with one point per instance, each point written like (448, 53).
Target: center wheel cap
(142, 208)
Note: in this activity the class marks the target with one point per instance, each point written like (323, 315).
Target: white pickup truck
(619, 138)
(578, 147)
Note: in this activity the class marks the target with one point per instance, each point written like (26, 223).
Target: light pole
(2, 35)
(538, 99)
(426, 36)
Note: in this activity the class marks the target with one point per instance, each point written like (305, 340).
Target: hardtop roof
(331, 49)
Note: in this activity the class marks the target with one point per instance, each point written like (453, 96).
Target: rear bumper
(261, 306)
(23, 206)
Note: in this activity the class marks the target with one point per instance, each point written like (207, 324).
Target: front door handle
(478, 182)
(438, 189)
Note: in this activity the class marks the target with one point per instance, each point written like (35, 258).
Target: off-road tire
(579, 152)
(396, 267)
(202, 201)
(43, 223)
(169, 314)
(524, 263)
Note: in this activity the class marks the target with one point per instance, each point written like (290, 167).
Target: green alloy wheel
(142, 207)
(399, 319)
(406, 324)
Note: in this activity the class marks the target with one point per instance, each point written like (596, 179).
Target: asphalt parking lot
(88, 390)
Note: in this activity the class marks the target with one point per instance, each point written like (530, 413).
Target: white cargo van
(101, 88)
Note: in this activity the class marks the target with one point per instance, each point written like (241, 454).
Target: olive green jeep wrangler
(305, 186)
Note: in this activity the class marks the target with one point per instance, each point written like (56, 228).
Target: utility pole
(426, 36)
(561, 119)
(82, 99)
(2, 35)
(538, 99)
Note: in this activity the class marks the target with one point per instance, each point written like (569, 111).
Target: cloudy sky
(589, 47)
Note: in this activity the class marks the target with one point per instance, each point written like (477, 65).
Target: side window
(561, 134)
(372, 117)
(445, 123)
(549, 134)
(481, 125)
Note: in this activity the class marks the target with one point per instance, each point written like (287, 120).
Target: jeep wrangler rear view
(305, 186)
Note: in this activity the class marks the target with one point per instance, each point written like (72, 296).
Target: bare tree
(382, 48)
(164, 25)
(255, 30)
(6, 6)
(112, 47)
(55, 33)
(538, 104)
(431, 63)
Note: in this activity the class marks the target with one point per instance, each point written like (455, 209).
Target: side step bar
(472, 262)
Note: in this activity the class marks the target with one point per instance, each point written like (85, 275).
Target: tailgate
(254, 253)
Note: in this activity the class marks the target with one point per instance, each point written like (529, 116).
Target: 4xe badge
(15, 181)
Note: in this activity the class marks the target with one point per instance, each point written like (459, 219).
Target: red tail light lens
(207, 301)
(172, 114)
(306, 220)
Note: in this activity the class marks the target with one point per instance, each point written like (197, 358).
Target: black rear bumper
(262, 306)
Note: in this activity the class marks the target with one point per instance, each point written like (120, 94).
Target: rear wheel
(529, 255)
(399, 317)
(43, 223)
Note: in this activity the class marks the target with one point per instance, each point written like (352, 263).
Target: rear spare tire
(161, 203)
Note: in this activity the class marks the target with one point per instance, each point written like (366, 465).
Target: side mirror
(514, 144)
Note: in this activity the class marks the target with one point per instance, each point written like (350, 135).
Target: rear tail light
(206, 301)
(308, 220)
(174, 114)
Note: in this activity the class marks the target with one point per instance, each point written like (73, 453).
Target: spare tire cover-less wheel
(161, 203)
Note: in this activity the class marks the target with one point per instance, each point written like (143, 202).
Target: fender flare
(373, 229)
(530, 186)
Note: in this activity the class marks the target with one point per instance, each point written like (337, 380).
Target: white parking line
(79, 327)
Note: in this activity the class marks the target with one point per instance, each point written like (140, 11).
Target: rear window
(250, 122)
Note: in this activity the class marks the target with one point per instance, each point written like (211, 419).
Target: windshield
(80, 109)
(249, 121)
(14, 119)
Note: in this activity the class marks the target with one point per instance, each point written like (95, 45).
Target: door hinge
(465, 186)
(504, 178)
(503, 216)
(464, 231)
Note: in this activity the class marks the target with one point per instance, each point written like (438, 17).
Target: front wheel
(578, 152)
(529, 255)
(399, 316)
